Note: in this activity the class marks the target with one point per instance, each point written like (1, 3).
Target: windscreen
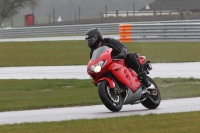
(98, 52)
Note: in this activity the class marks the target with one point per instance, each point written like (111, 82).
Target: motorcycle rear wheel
(112, 102)
(152, 101)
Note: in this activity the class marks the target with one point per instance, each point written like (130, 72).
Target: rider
(94, 39)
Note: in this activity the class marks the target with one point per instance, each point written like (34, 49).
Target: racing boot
(144, 78)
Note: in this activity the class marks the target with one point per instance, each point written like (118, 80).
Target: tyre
(154, 98)
(112, 101)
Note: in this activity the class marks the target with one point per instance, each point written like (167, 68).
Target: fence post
(154, 15)
(79, 12)
(160, 4)
(106, 10)
(101, 17)
(12, 21)
(49, 19)
(117, 12)
(126, 16)
(75, 18)
(133, 9)
(54, 16)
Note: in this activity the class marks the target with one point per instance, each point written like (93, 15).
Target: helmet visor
(91, 41)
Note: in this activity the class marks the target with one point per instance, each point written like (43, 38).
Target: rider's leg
(143, 76)
(133, 62)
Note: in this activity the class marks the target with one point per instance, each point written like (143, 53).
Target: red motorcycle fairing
(125, 75)
(110, 82)
(104, 56)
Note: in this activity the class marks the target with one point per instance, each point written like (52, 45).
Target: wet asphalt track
(164, 70)
(97, 111)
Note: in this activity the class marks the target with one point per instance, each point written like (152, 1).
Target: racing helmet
(93, 37)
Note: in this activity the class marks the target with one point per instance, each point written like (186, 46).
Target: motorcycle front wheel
(113, 101)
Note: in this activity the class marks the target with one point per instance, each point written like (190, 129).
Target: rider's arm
(123, 53)
(117, 45)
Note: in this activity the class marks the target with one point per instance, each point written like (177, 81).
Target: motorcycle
(119, 85)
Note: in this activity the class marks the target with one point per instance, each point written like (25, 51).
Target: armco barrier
(179, 30)
(65, 30)
(162, 32)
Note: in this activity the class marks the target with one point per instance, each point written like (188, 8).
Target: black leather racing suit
(119, 48)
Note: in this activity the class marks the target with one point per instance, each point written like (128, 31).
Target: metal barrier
(65, 30)
(169, 32)
(179, 30)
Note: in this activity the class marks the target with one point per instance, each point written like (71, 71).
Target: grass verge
(35, 94)
(162, 123)
(58, 53)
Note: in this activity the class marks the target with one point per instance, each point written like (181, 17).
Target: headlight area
(97, 67)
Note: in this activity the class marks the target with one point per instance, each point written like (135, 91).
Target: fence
(187, 30)
(140, 13)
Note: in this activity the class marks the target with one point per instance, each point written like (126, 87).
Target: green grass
(34, 94)
(161, 52)
(61, 53)
(152, 123)
(46, 93)
(43, 53)
(173, 88)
